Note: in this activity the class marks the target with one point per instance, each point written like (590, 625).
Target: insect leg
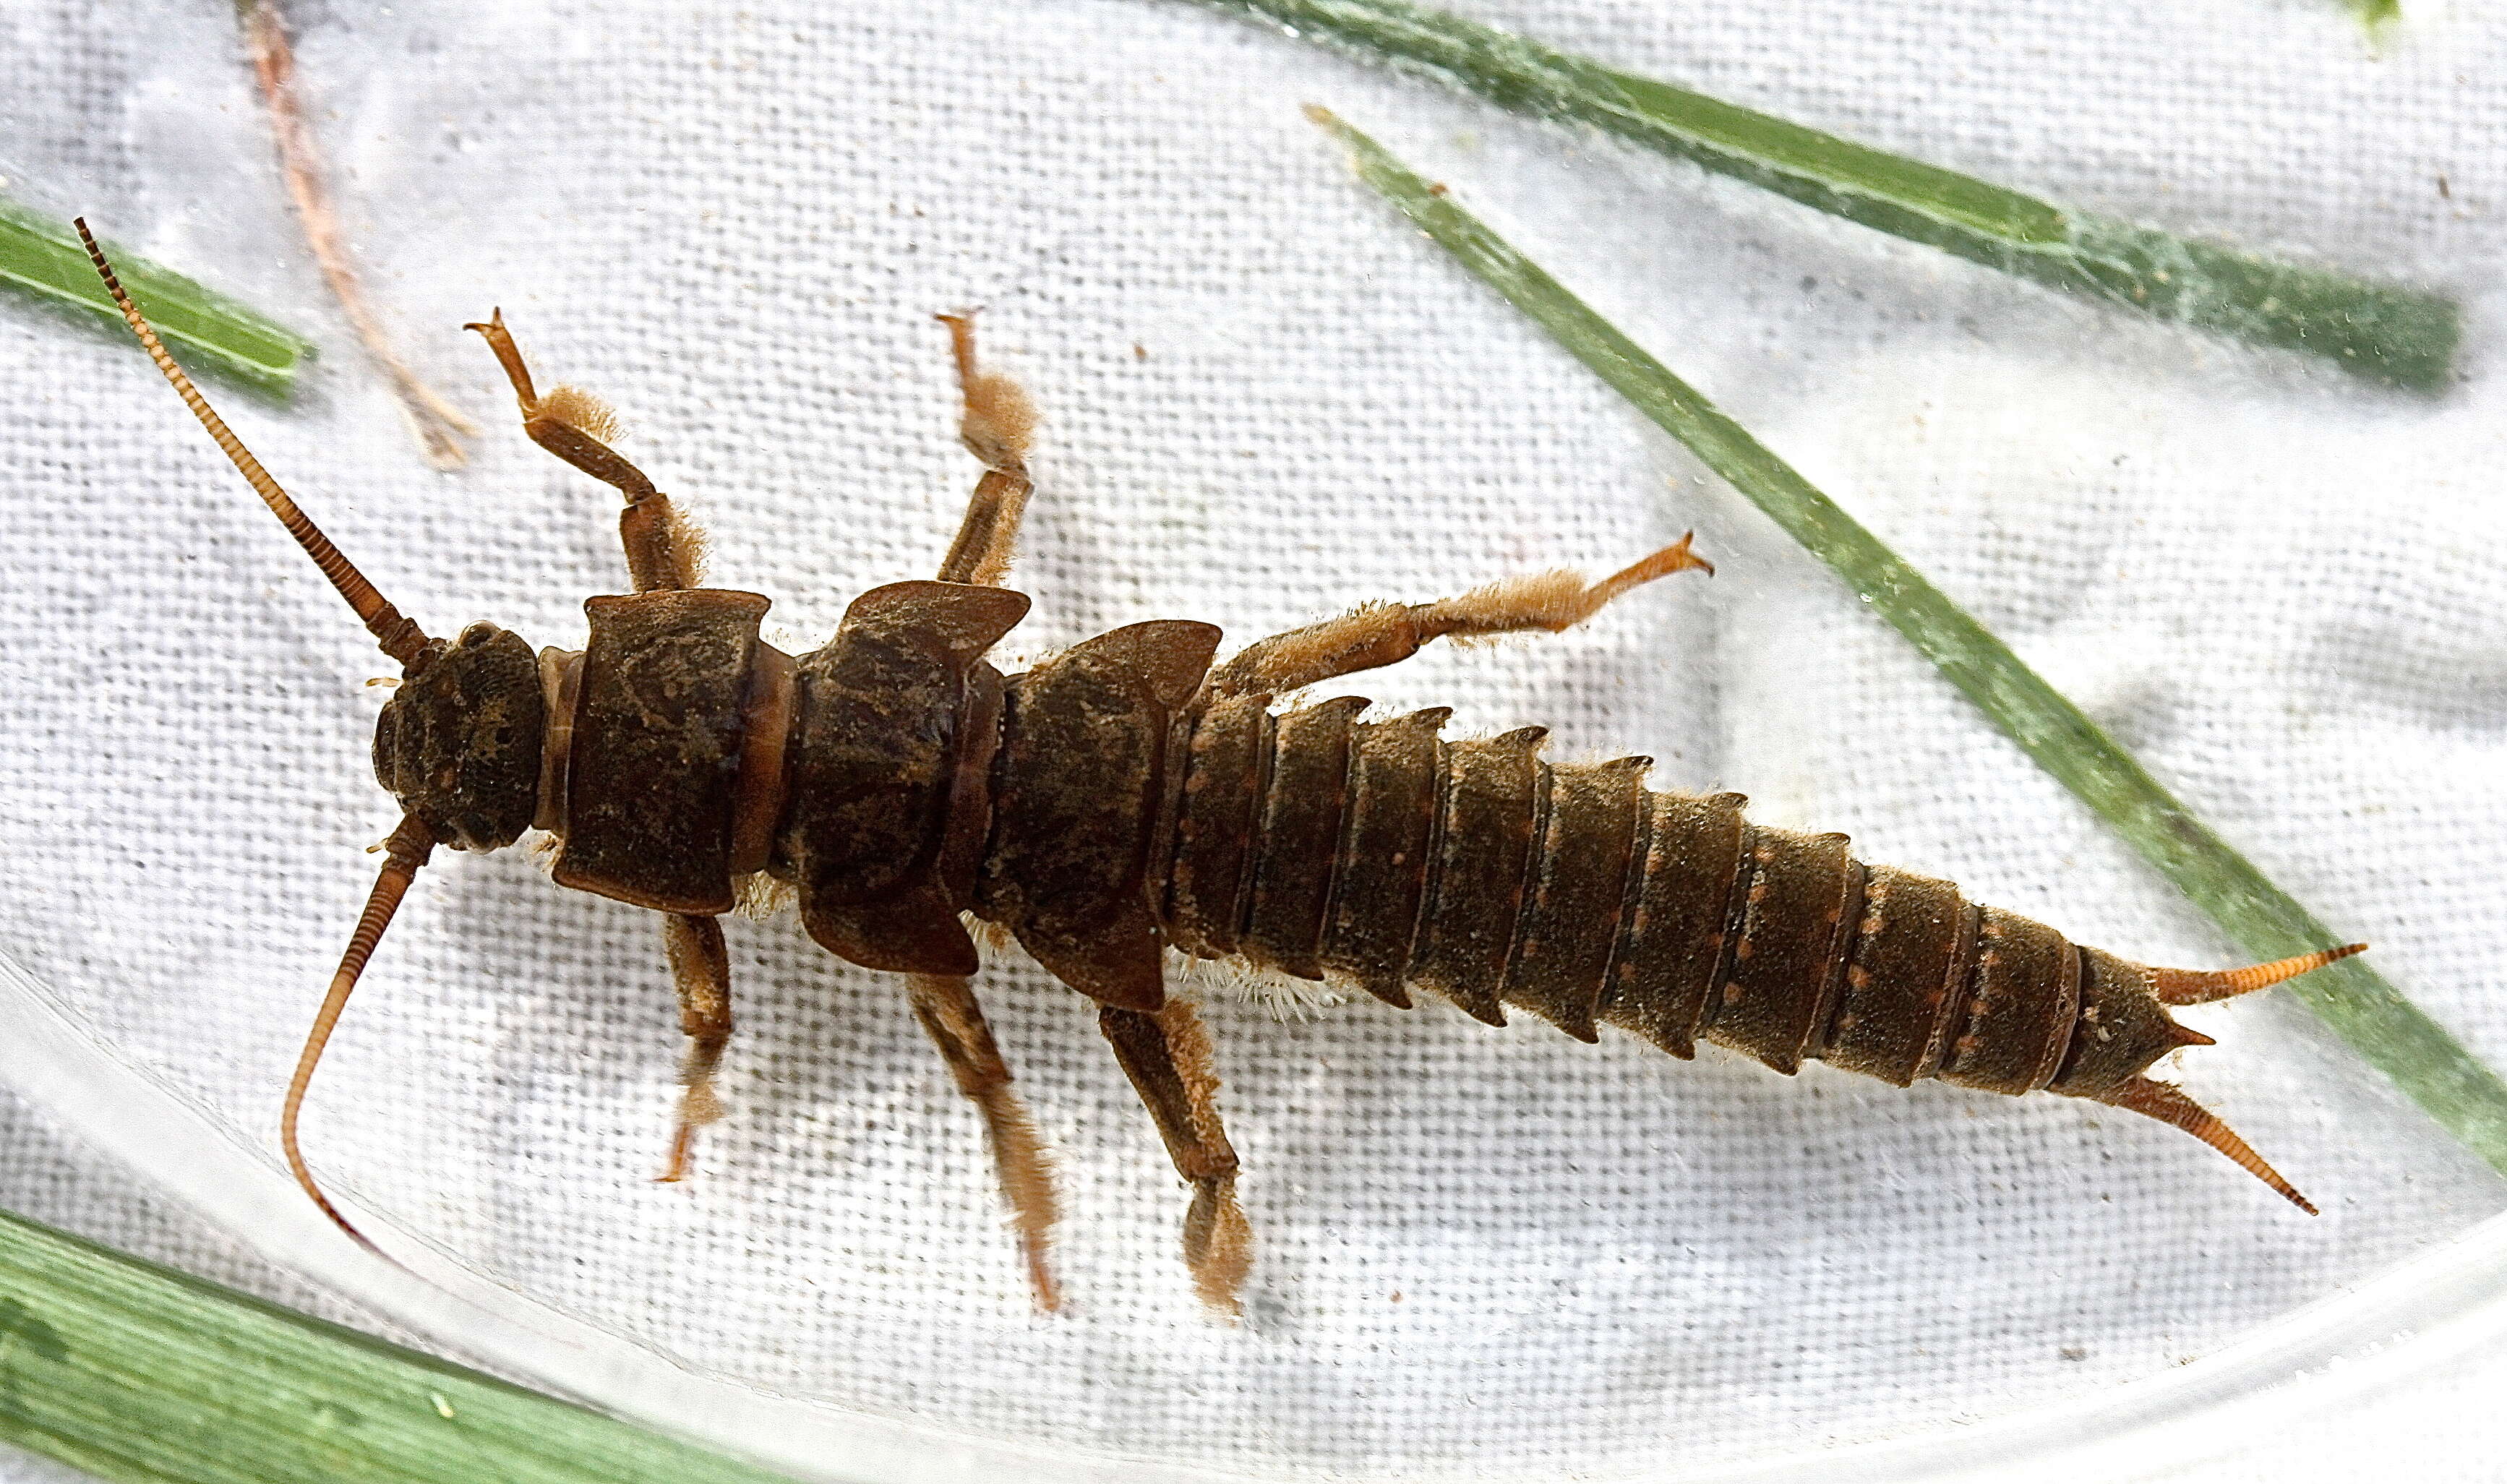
(1167, 1056)
(948, 1012)
(1387, 634)
(663, 549)
(995, 428)
(701, 969)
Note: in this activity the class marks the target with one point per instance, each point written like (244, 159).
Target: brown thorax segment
(653, 768)
(896, 724)
(460, 744)
(1090, 765)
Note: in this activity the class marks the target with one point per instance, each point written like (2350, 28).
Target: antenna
(399, 637)
(408, 850)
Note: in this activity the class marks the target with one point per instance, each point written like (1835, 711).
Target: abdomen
(1383, 856)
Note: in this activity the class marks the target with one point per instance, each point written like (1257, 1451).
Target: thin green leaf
(135, 1373)
(213, 333)
(2391, 1033)
(2385, 334)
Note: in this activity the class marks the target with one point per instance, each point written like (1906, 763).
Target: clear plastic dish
(1481, 1254)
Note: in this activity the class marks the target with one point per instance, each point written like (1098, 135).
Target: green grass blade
(211, 331)
(135, 1373)
(2391, 1033)
(2382, 333)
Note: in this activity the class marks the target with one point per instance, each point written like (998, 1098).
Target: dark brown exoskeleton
(1125, 798)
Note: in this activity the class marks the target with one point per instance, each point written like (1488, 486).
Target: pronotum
(1127, 797)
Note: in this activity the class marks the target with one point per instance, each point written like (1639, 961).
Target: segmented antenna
(399, 637)
(408, 850)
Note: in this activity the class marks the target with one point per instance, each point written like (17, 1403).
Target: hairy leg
(1387, 634)
(1167, 1058)
(994, 427)
(948, 1012)
(701, 969)
(663, 549)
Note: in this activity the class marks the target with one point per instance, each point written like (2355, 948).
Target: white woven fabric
(1264, 399)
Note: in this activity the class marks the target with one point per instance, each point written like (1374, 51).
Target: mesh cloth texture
(1264, 399)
